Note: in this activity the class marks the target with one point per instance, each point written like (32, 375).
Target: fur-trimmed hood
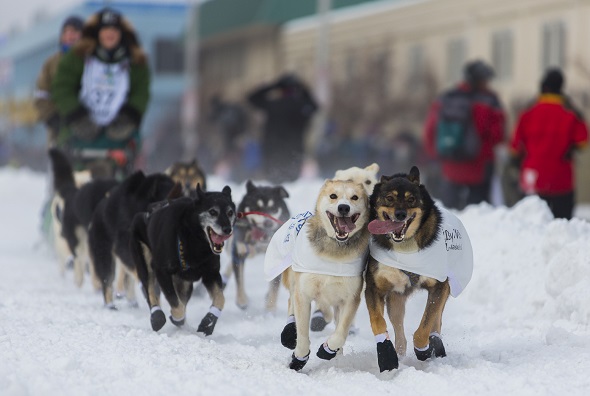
(89, 40)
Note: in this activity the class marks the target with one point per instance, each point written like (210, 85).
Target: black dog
(264, 210)
(77, 209)
(109, 233)
(178, 243)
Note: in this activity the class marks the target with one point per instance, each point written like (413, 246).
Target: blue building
(160, 28)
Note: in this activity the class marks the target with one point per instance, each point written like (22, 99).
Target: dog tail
(63, 174)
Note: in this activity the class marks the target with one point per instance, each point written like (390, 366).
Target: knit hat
(109, 17)
(552, 81)
(478, 71)
(74, 21)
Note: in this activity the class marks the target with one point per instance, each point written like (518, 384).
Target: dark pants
(457, 196)
(562, 206)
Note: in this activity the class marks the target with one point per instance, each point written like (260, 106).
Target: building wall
(418, 36)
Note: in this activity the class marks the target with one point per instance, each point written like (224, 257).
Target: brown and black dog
(416, 244)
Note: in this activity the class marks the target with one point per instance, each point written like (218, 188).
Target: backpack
(457, 138)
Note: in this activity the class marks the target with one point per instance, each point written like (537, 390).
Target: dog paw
(324, 352)
(157, 318)
(289, 336)
(435, 349)
(386, 356)
(298, 363)
(318, 323)
(207, 325)
(111, 306)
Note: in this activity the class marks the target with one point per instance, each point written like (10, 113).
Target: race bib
(104, 89)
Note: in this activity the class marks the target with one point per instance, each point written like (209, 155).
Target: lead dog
(416, 245)
(179, 243)
(323, 257)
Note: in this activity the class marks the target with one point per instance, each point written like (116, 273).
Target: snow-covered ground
(520, 328)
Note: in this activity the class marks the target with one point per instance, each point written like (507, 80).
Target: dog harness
(286, 250)
(449, 257)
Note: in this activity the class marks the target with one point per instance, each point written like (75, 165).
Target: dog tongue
(385, 226)
(257, 234)
(219, 239)
(345, 224)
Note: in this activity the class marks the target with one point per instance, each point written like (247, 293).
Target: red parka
(545, 137)
(490, 123)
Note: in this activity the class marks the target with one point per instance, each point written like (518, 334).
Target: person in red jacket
(544, 140)
(469, 181)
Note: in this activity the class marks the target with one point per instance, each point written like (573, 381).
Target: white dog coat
(289, 249)
(450, 256)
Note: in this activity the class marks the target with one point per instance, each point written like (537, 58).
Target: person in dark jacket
(101, 90)
(545, 138)
(469, 181)
(70, 33)
(288, 106)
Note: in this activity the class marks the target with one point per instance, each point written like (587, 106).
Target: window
(456, 57)
(502, 54)
(553, 45)
(169, 56)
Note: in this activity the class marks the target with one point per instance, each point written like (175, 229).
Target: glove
(124, 124)
(81, 125)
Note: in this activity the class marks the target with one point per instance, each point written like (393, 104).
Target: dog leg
(396, 308)
(375, 299)
(427, 342)
(238, 267)
(130, 278)
(346, 313)
(147, 277)
(104, 267)
(184, 291)
(121, 281)
(302, 308)
(213, 284)
(272, 294)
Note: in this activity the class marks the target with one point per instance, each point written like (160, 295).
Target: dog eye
(411, 200)
(389, 198)
(230, 213)
(354, 198)
(333, 196)
(213, 212)
(367, 182)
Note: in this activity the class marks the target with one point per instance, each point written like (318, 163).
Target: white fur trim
(434, 333)
(291, 319)
(381, 337)
(215, 311)
(423, 349)
(155, 308)
(317, 314)
(327, 348)
(178, 319)
(302, 359)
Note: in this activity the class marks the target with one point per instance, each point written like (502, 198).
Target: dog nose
(226, 230)
(400, 215)
(343, 209)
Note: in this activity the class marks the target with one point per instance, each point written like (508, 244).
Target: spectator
(546, 136)
(289, 107)
(101, 90)
(468, 181)
(71, 31)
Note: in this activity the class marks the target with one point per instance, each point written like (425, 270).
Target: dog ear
(227, 191)
(374, 167)
(282, 192)
(385, 178)
(200, 192)
(249, 186)
(176, 192)
(414, 175)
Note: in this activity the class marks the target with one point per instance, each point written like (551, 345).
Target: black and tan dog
(416, 244)
(263, 210)
(178, 243)
(109, 233)
(188, 175)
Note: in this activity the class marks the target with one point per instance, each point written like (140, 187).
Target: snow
(519, 328)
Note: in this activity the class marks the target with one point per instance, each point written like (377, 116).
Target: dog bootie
(318, 323)
(298, 363)
(386, 356)
(207, 324)
(157, 318)
(435, 348)
(177, 322)
(289, 336)
(324, 352)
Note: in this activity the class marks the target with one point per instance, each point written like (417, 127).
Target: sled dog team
(382, 237)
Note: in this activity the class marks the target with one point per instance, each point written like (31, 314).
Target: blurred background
(374, 67)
